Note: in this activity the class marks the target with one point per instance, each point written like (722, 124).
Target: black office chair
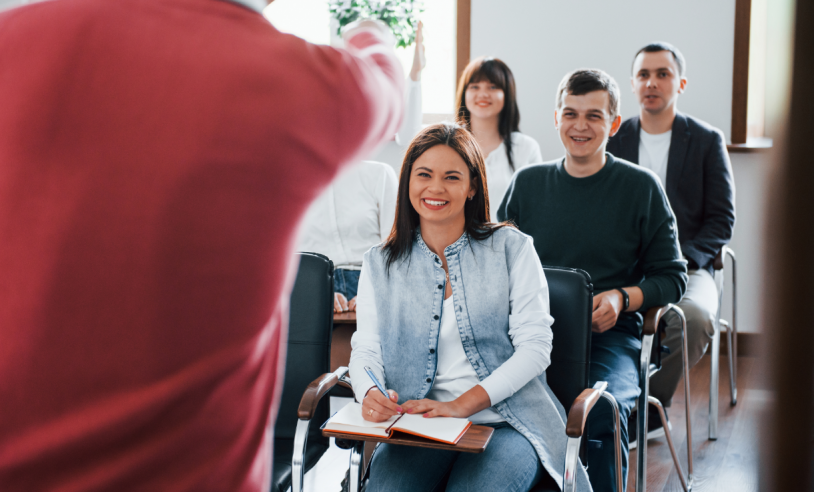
(308, 356)
(571, 298)
(650, 363)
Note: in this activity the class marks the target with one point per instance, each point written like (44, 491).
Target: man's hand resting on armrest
(609, 305)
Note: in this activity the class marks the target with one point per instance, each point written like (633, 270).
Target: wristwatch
(626, 298)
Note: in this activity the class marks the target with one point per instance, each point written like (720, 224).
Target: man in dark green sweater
(612, 219)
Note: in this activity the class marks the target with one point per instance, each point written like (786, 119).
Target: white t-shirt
(454, 374)
(654, 151)
(525, 151)
(355, 212)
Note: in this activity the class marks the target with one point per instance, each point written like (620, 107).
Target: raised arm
(370, 89)
(411, 124)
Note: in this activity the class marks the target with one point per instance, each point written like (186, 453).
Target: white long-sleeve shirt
(353, 214)
(529, 329)
(525, 151)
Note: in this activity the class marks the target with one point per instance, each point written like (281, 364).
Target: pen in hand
(379, 385)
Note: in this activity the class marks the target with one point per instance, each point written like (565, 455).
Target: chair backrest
(571, 299)
(309, 343)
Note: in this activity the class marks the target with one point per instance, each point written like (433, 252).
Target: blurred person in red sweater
(156, 157)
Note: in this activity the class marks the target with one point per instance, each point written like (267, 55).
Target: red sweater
(155, 159)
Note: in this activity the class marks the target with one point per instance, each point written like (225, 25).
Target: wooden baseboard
(749, 344)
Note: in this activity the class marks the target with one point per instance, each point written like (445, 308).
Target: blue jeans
(346, 282)
(508, 464)
(615, 359)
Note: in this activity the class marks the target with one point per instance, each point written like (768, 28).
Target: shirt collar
(450, 250)
(256, 5)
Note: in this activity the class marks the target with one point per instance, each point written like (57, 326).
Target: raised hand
(419, 60)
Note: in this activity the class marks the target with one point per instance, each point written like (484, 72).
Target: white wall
(542, 40)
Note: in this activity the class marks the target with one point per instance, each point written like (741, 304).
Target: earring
(470, 198)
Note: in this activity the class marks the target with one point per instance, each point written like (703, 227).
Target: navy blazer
(699, 184)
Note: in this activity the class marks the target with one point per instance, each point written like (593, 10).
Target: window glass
(310, 20)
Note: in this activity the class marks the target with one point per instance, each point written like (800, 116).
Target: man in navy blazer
(691, 160)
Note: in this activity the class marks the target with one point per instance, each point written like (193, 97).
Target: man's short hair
(585, 80)
(657, 46)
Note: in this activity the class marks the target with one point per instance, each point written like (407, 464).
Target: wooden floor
(731, 462)
(728, 464)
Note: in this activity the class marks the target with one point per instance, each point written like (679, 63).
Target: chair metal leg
(617, 438)
(713, 382)
(572, 447)
(357, 455)
(733, 331)
(297, 460)
(730, 350)
(688, 415)
(641, 420)
(687, 481)
(569, 477)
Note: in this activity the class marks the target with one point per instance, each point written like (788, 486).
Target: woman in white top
(487, 107)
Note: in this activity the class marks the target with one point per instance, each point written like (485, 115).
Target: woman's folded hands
(469, 403)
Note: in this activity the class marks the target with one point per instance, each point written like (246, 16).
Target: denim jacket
(409, 331)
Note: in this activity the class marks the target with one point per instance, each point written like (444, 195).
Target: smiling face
(439, 186)
(484, 99)
(584, 124)
(656, 81)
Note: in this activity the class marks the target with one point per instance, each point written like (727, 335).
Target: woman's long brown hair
(495, 71)
(476, 211)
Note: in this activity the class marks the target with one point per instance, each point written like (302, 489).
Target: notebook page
(444, 429)
(350, 420)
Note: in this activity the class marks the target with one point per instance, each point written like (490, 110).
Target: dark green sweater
(616, 224)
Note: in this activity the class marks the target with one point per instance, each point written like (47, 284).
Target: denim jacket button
(435, 317)
(429, 380)
(432, 351)
(440, 286)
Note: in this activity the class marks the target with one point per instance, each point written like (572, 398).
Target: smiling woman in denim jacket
(453, 316)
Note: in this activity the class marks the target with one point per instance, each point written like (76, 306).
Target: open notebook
(349, 420)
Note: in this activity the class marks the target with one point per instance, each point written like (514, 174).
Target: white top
(454, 375)
(529, 331)
(525, 151)
(353, 214)
(654, 151)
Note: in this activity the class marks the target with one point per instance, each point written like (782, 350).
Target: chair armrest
(578, 415)
(316, 390)
(718, 262)
(652, 318)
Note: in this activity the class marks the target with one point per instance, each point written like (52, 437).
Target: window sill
(752, 145)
